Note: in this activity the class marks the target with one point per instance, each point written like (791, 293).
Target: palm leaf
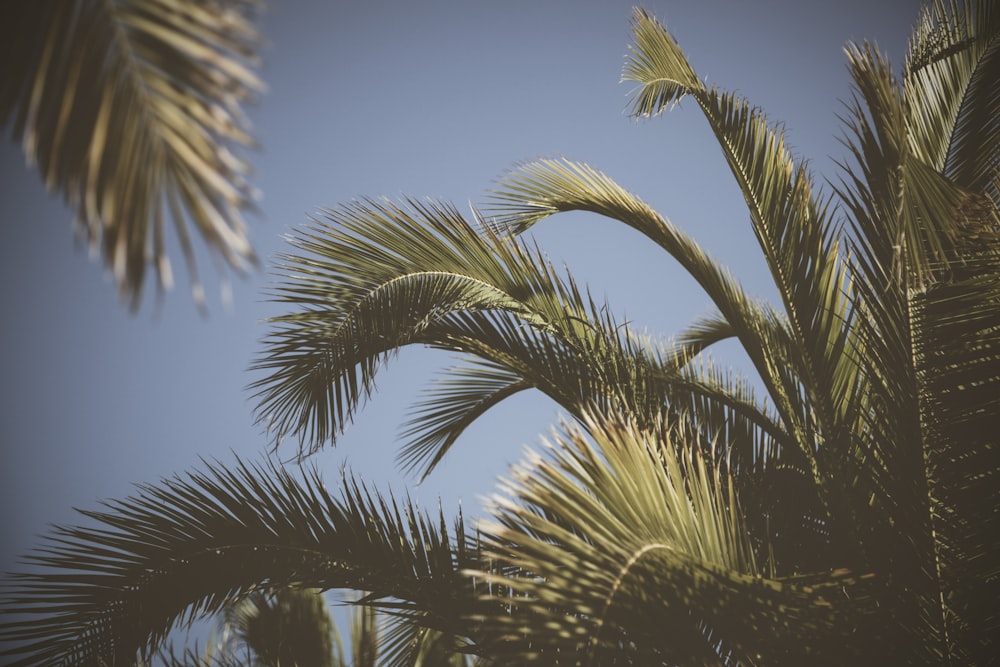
(388, 276)
(638, 552)
(377, 283)
(952, 65)
(958, 366)
(450, 406)
(539, 189)
(792, 224)
(131, 108)
(191, 545)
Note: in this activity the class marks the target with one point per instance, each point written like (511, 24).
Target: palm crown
(677, 516)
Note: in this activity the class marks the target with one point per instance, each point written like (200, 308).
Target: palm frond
(539, 189)
(375, 279)
(799, 240)
(956, 331)
(190, 545)
(637, 549)
(389, 276)
(130, 109)
(450, 406)
(952, 65)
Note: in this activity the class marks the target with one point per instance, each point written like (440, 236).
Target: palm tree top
(840, 505)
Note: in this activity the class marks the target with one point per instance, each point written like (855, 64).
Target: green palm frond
(450, 406)
(378, 277)
(792, 223)
(787, 367)
(130, 109)
(388, 276)
(539, 189)
(956, 329)
(190, 545)
(638, 550)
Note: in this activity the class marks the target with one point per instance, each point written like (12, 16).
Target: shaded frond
(956, 328)
(952, 66)
(288, 626)
(190, 545)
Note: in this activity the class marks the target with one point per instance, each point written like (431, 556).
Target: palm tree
(130, 109)
(290, 626)
(677, 517)
(293, 626)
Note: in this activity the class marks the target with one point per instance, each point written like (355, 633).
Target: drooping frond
(375, 278)
(190, 545)
(387, 276)
(131, 110)
(451, 405)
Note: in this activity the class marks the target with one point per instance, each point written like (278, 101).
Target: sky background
(400, 98)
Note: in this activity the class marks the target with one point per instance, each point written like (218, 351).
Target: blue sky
(397, 98)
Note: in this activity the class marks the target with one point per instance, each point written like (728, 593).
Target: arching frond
(131, 110)
(378, 277)
(539, 189)
(451, 405)
(190, 545)
(388, 276)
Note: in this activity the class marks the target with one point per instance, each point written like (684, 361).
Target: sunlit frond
(638, 547)
(131, 109)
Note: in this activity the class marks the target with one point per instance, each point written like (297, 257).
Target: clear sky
(397, 98)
